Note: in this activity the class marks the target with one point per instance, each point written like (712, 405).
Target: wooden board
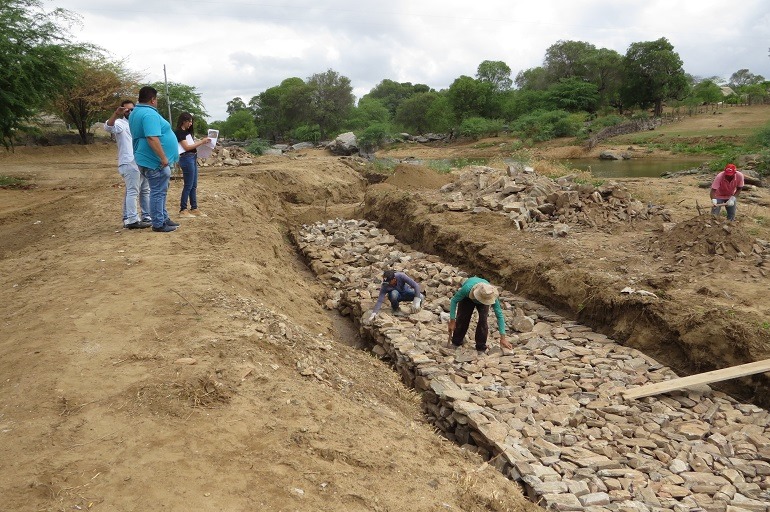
(701, 378)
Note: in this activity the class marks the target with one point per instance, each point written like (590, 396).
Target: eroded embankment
(489, 245)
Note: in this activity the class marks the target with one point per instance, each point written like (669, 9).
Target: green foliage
(372, 136)
(36, 61)
(235, 105)
(573, 94)
(707, 91)
(307, 133)
(238, 126)
(477, 127)
(440, 116)
(368, 111)
(331, 100)
(257, 146)
(469, 97)
(11, 182)
(546, 125)
(393, 94)
(183, 98)
(497, 73)
(653, 73)
(414, 114)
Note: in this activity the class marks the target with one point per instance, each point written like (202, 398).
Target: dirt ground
(149, 371)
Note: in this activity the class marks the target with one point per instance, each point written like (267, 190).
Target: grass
(11, 182)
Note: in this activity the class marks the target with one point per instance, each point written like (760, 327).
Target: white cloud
(241, 48)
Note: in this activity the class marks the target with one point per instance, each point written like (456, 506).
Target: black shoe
(138, 225)
(164, 229)
(482, 350)
(171, 223)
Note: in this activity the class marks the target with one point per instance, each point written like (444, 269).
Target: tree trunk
(658, 107)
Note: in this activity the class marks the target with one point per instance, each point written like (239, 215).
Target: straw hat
(484, 293)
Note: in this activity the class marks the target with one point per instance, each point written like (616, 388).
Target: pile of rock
(528, 198)
(231, 156)
(549, 413)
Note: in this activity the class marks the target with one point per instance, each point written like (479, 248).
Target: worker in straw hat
(476, 293)
(725, 190)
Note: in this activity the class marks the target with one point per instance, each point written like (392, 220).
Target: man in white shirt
(136, 183)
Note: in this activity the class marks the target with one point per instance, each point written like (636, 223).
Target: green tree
(567, 59)
(35, 59)
(414, 114)
(331, 100)
(392, 93)
(469, 97)
(282, 108)
(706, 91)
(239, 126)
(440, 116)
(367, 112)
(533, 79)
(100, 85)
(497, 73)
(652, 74)
(235, 104)
(573, 94)
(744, 77)
(184, 98)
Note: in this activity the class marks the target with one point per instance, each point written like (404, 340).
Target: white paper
(213, 135)
(188, 140)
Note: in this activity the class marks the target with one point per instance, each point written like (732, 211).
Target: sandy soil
(100, 406)
(145, 371)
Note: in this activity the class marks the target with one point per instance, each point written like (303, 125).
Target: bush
(546, 125)
(372, 136)
(257, 146)
(477, 127)
(307, 133)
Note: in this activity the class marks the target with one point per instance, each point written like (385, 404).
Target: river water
(639, 168)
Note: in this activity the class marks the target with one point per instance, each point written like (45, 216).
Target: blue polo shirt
(145, 121)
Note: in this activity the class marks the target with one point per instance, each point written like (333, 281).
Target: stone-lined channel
(549, 413)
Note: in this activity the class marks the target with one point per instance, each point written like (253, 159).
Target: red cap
(730, 169)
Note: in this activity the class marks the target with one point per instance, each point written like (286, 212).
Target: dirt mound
(706, 235)
(415, 177)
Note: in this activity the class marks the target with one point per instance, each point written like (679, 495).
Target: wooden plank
(732, 372)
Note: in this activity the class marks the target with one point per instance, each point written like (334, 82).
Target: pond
(634, 168)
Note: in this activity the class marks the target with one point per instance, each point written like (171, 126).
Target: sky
(228, 49)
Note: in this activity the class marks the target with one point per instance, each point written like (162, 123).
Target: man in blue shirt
(398, 287)
(476, 293)
(155, 151)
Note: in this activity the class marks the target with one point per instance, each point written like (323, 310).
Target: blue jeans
(159, 179)
(136, 187)
(730, 209)
(189, 165)
(395, 297)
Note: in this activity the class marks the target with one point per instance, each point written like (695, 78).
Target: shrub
(477, 127)
(372, 136)
(257, 146)
(307, 133)
(543, 125)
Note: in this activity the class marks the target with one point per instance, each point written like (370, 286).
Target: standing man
(398, 287)
(725, 190)
(155, 150)
(476, 293)
(137, 185)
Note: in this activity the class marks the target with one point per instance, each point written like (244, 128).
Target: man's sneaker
(171, 223)
(197, 213)
(138, 225)
(164, 229)
(186, 214)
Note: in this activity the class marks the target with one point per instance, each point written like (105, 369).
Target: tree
(533, 79)
(567, 59)
(653, 73)
(99, 86)
(367, 112)
(282, 108)
(392, 94)
(414, 113)
(706, 91)
(239, 126)
(35, 58)
(235, 104)
(184, 98)
(469, 97)
(331, 100)
(497, 73)
(573, 94)
(744, 77)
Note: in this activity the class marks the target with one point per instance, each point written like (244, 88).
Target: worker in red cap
(725, 190)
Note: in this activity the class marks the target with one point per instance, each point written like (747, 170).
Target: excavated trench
(490, 247)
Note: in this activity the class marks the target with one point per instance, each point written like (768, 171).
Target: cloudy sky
(240, 48)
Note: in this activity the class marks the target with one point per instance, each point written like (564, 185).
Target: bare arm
(189, 147)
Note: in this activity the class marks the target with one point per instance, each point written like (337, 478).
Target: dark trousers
(463, 320)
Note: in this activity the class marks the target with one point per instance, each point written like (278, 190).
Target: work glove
(416, 303)
(714, 202)
(371, 317)
(731, 201)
